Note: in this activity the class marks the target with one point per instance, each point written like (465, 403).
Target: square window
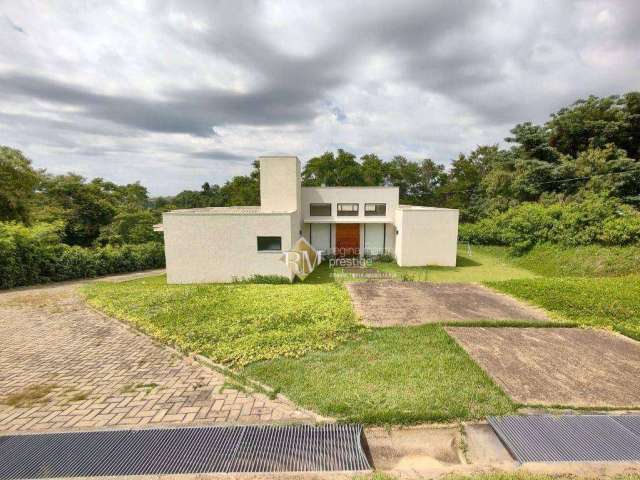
(320, 209)
(348, 209)
(375, 209)
(269, 244)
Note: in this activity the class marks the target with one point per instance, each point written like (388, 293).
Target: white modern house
(221, 244)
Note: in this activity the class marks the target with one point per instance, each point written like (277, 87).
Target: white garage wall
(427, 236)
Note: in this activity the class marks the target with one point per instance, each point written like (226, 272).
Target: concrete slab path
(557, 366)
(389, 303)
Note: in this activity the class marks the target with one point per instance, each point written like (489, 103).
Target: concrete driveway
(557, 366)
(388, 303)
(65, 366)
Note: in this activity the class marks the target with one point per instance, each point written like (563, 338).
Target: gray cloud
(176, 93)
(219, 154)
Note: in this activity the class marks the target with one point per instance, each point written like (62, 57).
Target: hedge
(593, 220)
(32, 255)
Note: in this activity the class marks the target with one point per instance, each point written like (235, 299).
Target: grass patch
(78, 397)
(29, 396)
(234, 324)
(606, 302)
(478, 266)
(558, 261)
(389, 376)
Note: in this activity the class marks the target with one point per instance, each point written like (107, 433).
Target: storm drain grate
(570, 438)
(251, 449)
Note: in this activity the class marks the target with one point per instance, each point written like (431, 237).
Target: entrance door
(347, 239)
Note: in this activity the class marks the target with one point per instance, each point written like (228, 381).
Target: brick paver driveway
(96, 372)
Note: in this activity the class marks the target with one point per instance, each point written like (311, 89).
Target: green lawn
(303, 338)
(478, 266)
(233, 324)
(390, 375)
(557, 261)
(608, 302)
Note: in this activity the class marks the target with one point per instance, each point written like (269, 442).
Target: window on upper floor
(375, 209)
(347, 209)
(269, 244)
(320, 209)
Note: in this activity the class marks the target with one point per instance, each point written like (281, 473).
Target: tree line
(591, 147)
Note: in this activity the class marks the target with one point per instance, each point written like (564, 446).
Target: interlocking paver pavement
(101, 373)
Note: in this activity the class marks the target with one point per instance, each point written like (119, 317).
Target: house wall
(203, 248)
(280, 184)
(359, 195)
(426, 237)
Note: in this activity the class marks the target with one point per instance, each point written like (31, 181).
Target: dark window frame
(375, 212)
(348, 213)
(311, 205)
(272, 239)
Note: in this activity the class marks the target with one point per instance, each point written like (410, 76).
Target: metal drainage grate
(251, 449)
(570, 438)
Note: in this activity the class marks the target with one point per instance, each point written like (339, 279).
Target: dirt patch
(29, 396)
(557, 366)
(389, 303)
(414, 448)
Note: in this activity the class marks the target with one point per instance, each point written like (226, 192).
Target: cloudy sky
(175, 93)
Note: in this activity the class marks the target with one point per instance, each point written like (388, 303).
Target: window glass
(320, 209)
(269, 244)
(347, 209)
(375, 209)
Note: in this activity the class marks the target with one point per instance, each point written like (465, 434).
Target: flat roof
(252, 210)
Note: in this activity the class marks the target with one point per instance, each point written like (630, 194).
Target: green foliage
(609, 302)
(236, 323)
(397, 375)
(595, 122)
(594, 219)
(18, 181)
(31, 255)
(133, 227)
(336, 170)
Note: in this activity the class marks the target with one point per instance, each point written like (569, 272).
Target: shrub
(31, 255)
(593, 219)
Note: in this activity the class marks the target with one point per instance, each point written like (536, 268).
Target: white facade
(223, 244)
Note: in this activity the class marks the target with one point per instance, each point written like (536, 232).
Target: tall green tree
(18, 182)
(85, 207)
(373, 170)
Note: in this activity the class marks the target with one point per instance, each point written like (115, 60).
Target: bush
(591, 220)
(31, 255)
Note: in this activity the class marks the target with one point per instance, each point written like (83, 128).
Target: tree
(373, 170)
(590, 123)
(129, 227)
(84, 207)
(405, 175)
(243, 190)
(18, 182)
(533, 142)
